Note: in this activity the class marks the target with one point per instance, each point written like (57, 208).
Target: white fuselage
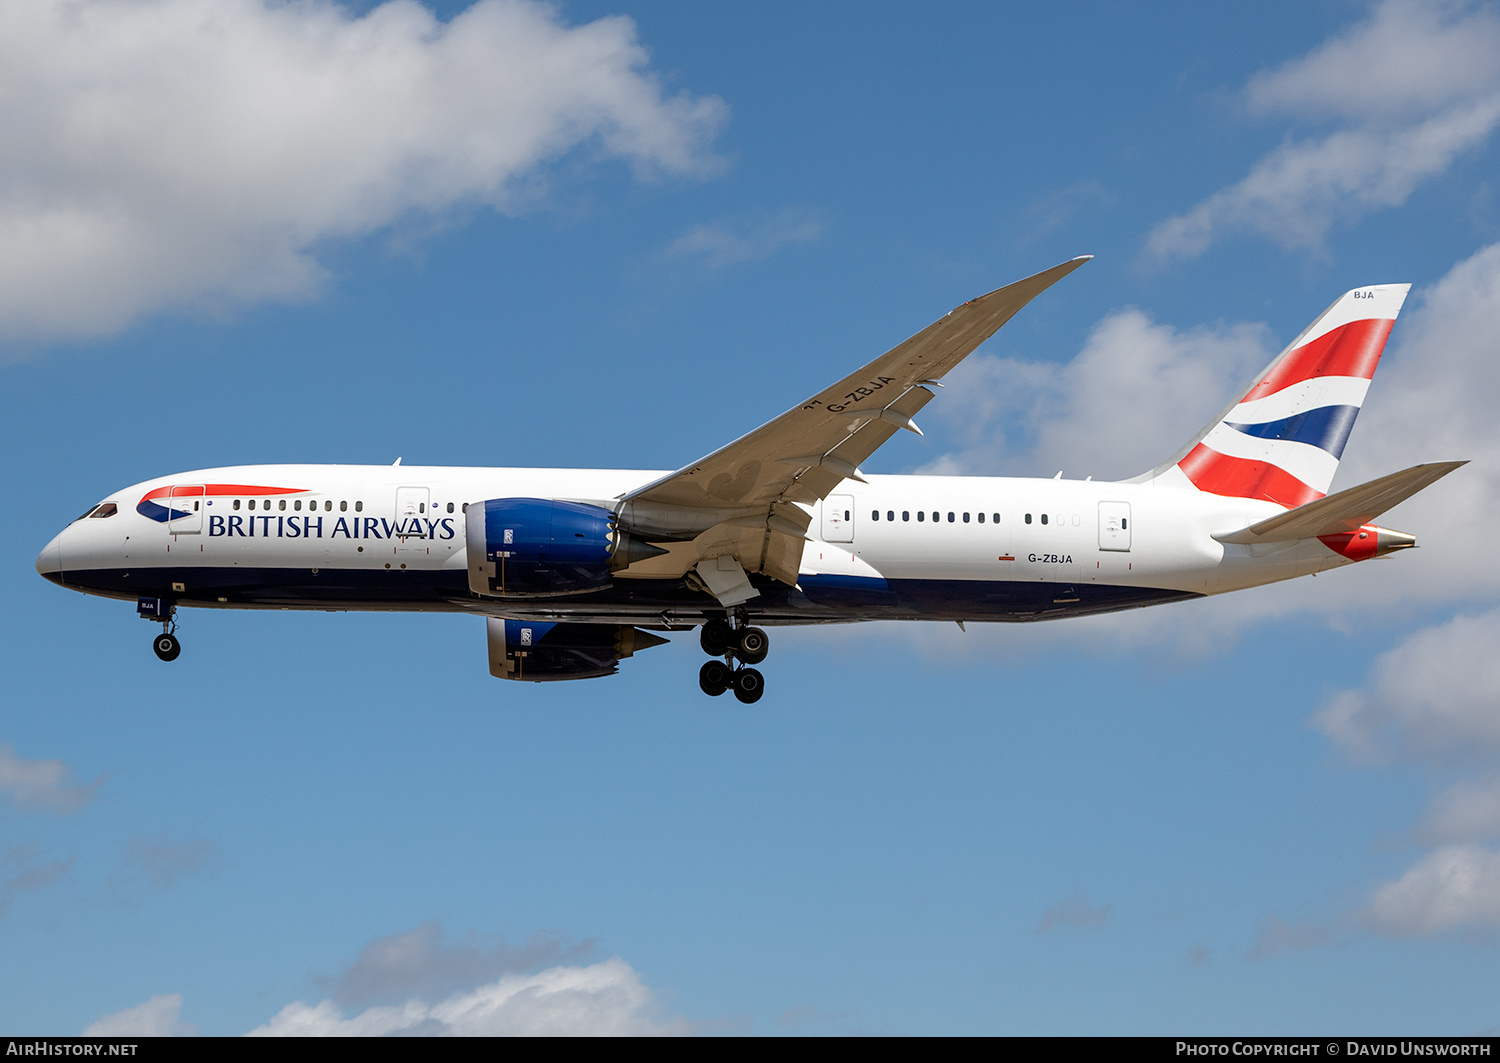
(940, 547)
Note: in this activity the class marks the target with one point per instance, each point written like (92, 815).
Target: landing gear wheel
(749, 685)
(714, 678)
(716, 637)
(166, 646)
(753, 645)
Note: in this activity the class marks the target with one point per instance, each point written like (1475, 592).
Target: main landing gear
(749, 645)
(163, 612)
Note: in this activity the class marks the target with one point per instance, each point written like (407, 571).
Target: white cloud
(41, 784)
(729, 243)
(1438, 692)
(167, 153)
(1466, 811)
(1135, 393)
(1406, 56)
(422, 963)
(1453, 887)
(1417, 84)
(1295, 194)
(157, 1017)
(602, 999)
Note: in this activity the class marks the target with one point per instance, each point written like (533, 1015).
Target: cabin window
(328, 506)
(282, 504)
(343, 506)
(966, 518)
(1028, 518)
(921, 514)
(981, 518)
(906, 514)
(466, 507)
(108, 509)
(359, 507)
(890, 514)
(1044, 518)
(450, 507)
(236, 504)
(950, 516)
(1124, 523)
(874, 514)
(997, 518)
(298, 504)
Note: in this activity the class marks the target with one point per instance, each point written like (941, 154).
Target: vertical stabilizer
(1282, 439)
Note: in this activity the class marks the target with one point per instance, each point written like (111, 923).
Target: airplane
(575, 569)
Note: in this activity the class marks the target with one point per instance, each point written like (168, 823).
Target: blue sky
(506, 234)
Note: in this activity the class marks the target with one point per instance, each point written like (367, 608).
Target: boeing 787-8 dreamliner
(573, 569)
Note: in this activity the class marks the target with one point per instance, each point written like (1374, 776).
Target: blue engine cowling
(538, 652)
(524, 547)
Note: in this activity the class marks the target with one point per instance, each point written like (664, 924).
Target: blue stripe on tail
(1326, 428)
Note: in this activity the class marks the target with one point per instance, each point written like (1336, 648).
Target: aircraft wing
(749, 486)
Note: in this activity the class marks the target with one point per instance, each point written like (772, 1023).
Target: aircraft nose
(49, 561)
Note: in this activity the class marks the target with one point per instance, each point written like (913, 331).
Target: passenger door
(838, 519)
(185, 510)
(1114, 526)
(411, 523)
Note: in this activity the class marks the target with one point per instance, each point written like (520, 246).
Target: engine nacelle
(540, 652)
(525, 547)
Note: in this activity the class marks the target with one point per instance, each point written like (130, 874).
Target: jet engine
(530, 547)
(541, 652)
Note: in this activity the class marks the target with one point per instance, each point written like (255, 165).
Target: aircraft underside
(659, 604)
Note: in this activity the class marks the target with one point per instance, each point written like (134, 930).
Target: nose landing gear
(747, 644)
(163, 612)
(166, 646)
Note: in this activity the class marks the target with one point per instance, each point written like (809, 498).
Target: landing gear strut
(749, 645)
(163, 612)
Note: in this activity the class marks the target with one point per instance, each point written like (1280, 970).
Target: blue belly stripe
(817, 598)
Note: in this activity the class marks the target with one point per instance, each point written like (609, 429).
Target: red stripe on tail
(1349, 350)
(1219, 474)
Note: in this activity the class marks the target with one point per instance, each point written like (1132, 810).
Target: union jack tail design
(1281, 440)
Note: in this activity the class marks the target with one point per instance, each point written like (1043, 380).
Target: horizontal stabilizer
(1346, 511)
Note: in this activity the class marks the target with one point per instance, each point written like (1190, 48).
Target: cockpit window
(104, 509)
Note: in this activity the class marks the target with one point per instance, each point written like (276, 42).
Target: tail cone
(1388, 541)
